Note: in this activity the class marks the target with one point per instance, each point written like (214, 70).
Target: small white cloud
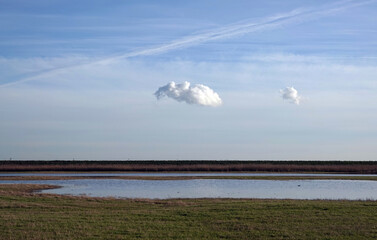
(290, 94)
(183, 92)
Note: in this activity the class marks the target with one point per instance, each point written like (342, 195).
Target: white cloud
(183, 92)
(290, 94)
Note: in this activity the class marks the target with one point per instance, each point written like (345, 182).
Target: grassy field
(24, 215)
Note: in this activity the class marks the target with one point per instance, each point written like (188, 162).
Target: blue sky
(77, 79)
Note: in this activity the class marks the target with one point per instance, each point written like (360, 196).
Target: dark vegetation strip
(25, 178)
(361, 167)
(43, 216)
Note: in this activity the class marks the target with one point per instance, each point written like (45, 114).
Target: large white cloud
(183, 92)
(291, 94)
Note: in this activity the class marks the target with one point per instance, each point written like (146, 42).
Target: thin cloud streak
(244, 27)
(229, 31)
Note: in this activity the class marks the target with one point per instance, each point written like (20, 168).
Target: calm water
(215, 188)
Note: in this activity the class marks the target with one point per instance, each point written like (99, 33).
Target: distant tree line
(365, 167)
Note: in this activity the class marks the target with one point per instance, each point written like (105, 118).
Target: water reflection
(215, 188)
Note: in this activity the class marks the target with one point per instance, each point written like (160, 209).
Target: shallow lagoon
(214, 188)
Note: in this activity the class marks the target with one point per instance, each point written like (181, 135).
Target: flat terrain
(369, 178)
(361, 167)
(27, 215)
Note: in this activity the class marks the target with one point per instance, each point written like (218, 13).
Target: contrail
(229, 31)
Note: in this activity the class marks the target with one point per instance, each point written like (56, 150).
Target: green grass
(24, 215)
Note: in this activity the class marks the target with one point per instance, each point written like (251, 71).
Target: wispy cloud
(245, 27)
(229, 31)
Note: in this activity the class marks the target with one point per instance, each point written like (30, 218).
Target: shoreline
(35, 190)
(167, 178)
(46, 216)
